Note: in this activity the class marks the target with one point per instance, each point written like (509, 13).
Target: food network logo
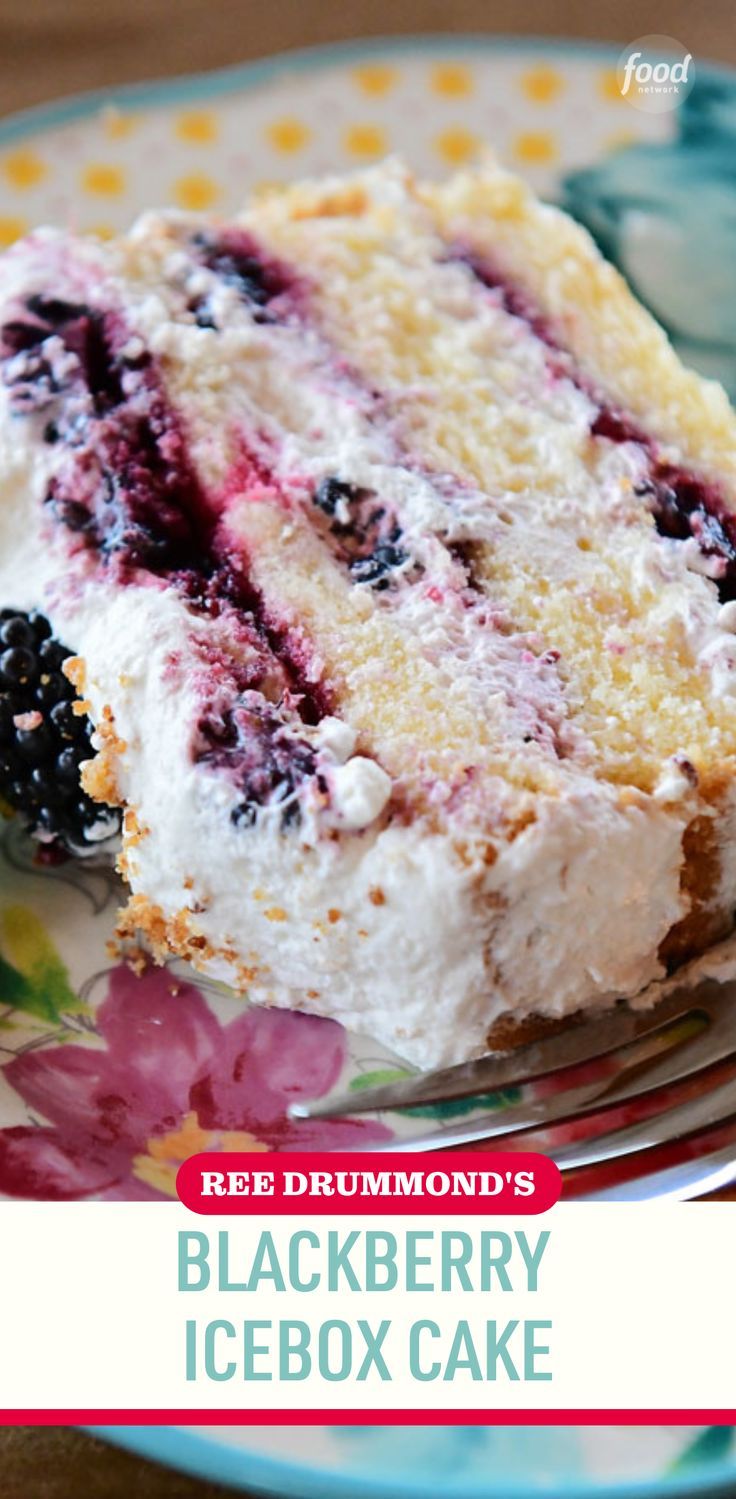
(655, 78)
(655, 73)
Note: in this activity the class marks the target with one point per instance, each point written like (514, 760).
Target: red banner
(391, 1182)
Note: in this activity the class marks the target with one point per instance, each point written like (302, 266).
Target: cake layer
(399, 554)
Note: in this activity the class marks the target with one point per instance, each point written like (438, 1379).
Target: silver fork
(631, 1054)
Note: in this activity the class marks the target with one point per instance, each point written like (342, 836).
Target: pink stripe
(493, 1416)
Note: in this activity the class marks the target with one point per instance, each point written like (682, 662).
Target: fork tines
(628, 1053)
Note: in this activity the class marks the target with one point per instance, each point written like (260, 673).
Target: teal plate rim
(171, 1446)
(205, 1458)
(222, 81)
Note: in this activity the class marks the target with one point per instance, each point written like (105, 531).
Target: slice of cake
(398, 554)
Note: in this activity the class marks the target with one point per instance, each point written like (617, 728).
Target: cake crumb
(75, 671)
(28, 721)
(134, 830)
(99, 781)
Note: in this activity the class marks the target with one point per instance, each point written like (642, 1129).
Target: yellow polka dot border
(24, 169)
(197, 127)
(452, 80)
(103, 180)
(535, 148)
(542, 85)
(457, 146)
(12, 227)
(609, 87)
(440, 107)
(375, 79)
(118, 126)
(196, 191)
(365, 141)
(288, 134)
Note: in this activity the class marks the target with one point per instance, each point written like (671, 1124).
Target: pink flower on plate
(171, 1080)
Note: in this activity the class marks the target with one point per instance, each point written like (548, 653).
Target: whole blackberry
(43, 741)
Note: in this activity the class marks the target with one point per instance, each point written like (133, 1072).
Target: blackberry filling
(512, 298)
(331, 493)
(685, 507)
(43, 742)
(37, 374)
(235, 259)
(366, 537)
(616, 427)
(269, 764)
(377, 567)
(131, 495)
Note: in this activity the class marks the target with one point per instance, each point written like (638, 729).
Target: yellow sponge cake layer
(613, 339)
(565, 541)
(399, 553)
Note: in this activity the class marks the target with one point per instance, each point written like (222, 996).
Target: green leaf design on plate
(452, 1108)
(32, 975)
(378, 1077)
(709, 1446)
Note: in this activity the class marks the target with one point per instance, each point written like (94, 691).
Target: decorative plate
(456, 1462)
(108, 1081)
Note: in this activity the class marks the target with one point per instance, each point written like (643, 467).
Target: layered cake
(395, 552)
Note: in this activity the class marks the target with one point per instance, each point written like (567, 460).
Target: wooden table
(53, 1462)
(53, 47)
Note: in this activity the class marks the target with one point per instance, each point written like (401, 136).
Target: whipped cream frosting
(401, 903)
